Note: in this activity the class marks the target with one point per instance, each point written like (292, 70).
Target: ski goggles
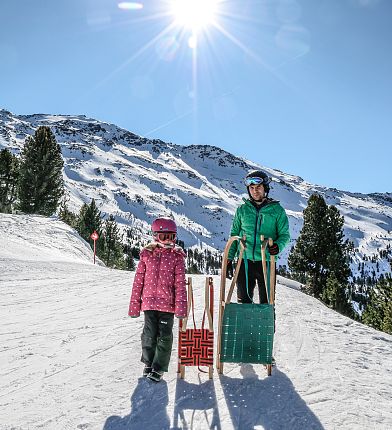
(256, 181)
(162, 237)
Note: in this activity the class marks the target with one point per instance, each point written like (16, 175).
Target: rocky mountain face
(137, 179)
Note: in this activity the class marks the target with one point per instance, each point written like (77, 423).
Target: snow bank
(38, 238)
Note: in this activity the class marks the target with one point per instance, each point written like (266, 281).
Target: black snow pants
(255, 274)
(157, 339)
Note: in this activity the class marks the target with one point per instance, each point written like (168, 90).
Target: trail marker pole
(94, 236)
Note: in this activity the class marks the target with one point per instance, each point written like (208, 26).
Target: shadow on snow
(148, 408)
(200, 399)
(271, 403)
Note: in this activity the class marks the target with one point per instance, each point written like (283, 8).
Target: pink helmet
(163, 225)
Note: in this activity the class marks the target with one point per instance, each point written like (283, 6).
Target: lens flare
(192, 42)
(167, 48)
(127, 5)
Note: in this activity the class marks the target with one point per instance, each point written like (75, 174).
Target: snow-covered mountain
(136, 179)
(70, 356)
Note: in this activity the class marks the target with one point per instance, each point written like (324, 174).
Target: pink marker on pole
(94, 236)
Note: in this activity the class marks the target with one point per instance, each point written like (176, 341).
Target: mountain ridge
(137, 179)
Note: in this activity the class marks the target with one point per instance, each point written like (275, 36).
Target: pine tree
(89, 220)
(339, 250)
(334, 295)
(307, 257)
(320, 251)
(129, 261)
(387, 320)
(41, 183)
(66, 215)
(378, 309)
(129, 251)
(113, 254)
(9, 172)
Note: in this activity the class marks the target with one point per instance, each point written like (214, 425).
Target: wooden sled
(196, 346)
(246, 331)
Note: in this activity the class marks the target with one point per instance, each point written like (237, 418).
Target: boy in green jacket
(258, 215)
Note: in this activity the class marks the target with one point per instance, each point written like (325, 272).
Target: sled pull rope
(266, 267)
(209, 294)
(246, 277)
(192, 305)
(272, 275)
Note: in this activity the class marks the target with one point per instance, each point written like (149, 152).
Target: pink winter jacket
(159, 282)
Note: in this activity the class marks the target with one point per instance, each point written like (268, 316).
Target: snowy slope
(137, 179)
(37, 238)
(70, 355)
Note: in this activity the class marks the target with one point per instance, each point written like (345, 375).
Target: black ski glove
(273, 249)
(229, 270)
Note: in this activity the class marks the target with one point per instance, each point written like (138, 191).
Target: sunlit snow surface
(69, 354)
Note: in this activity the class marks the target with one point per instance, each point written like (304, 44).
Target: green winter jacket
(270, 220)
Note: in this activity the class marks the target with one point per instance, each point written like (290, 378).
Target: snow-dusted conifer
(90, 220)
(321, 251)
(112, 255)
(41, 183)
(67, 215)
(307, 258)
(378, 310)
(9, 171)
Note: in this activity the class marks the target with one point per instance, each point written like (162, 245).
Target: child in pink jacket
(159, 290)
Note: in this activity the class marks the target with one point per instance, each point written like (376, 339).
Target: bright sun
(193, 14)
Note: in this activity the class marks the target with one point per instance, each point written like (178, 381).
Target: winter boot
(155, 375)
(147, 370)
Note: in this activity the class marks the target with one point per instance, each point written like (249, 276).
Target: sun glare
(194, 14)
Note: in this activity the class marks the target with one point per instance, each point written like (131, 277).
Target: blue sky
(304, 86)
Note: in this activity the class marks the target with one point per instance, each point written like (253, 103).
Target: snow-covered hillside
(70, 355)
(37, 238)
(137, 179)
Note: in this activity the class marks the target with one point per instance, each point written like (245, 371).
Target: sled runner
(196, 346)
(246, 330)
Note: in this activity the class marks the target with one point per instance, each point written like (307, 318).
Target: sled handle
(237, 269)
(190, 304)
(207, 309)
